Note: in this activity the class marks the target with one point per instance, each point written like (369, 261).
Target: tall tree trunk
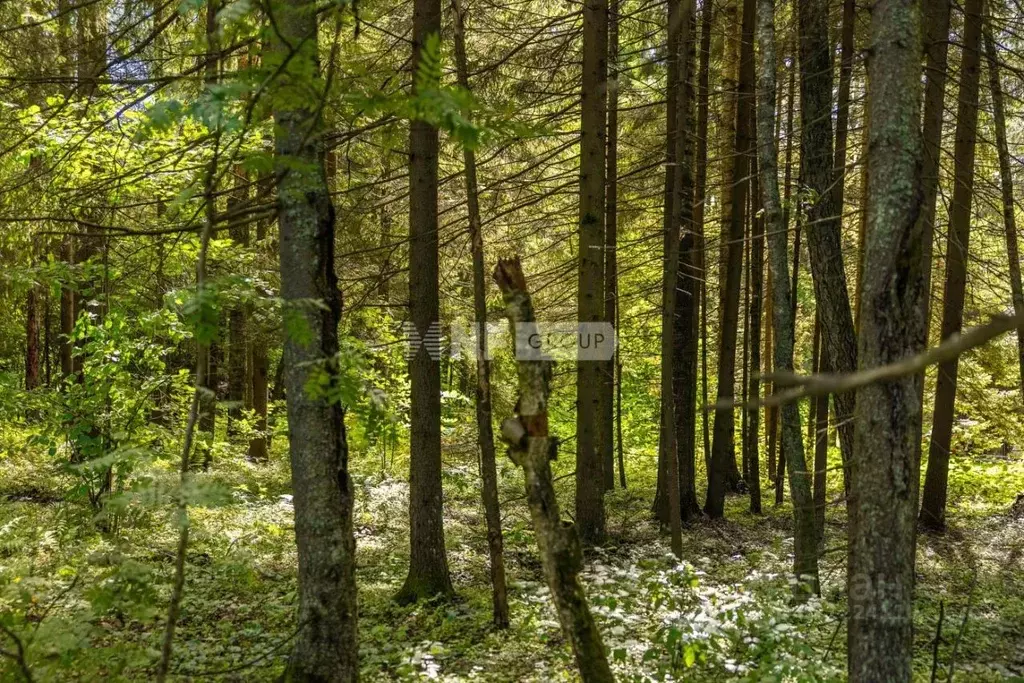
(428, 563)
(667, 437)
(936, 23)
(67, 310)
(780, 475)
(238, 343)
(208, 397)
(724, 474)
(667, 499)
(846, 59)
(1006, 186)
(589, 395)
(326, 647)
(90, 64)
(745, 362)
(805, 559)
(532, 449)
(610, 254)
(819, 420)
(824, 241)
(700, 194)
(883, 495)
(47, 339)
(32, 357)
(770, 413)
(862, 222)
(484, 422)
(933, 500)
(752, 445)
(260, 390)
(688, 277)
(258, 376)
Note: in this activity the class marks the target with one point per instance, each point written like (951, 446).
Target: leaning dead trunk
(532, 448)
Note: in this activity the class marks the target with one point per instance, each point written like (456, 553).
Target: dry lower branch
(802, 386)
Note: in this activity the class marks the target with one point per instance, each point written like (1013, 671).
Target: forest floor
(90, 605)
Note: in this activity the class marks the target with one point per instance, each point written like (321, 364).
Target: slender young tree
(752, 445)
(780, 475)
(33, 366)
(819, 435)
(428, 564)
(724, 475)
(805, 558)
(684, 340)
(846, 60)
(484, 420)
(667, 436)
(611, 285)
(590, 483)
(936, 27)
(208, 398)
(1006, 187)
(933, 499)
(667, 500)
(326, 646)
(700, 194)
(887, 424)
(238, 337)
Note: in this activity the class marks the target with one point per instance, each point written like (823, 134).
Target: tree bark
(667, 437)
(805, 559)
(824, 242)
(428, 564)
(484, 421)
(933, 500)
(846, 59)
(937, 19)
(326, 646)
(700, 194)
(32, 356)
(667, 498)
(238, 344)
(258, 442)
(1006, 187)
(610, 255)
(752, 445)
(532, 448)
(67, 311)
(820, 441)
(688, 277)
(589, 395)
(724, 475)
(887, 424)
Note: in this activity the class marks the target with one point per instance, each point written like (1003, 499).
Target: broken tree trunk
(532, 449)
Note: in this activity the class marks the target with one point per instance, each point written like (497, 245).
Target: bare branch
(802, 386)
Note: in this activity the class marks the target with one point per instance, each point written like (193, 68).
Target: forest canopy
(523, 341)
